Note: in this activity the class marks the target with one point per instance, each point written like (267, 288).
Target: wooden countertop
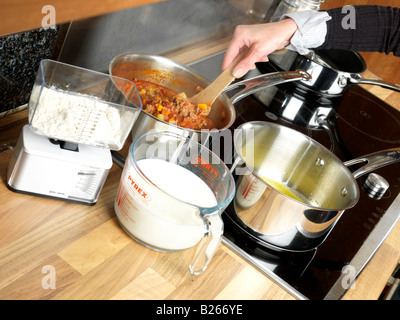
(93, 258)
(24, 15)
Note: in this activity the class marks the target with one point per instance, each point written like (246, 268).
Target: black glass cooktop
(354, 124)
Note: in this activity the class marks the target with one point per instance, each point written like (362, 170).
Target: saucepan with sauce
(165, 86)
(290, 189)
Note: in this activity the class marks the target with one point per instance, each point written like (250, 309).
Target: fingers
(233, 50)
(252, 37)
(230, 55)
(248, 63)
(261, 39)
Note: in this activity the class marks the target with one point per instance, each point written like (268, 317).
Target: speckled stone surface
(20, 55)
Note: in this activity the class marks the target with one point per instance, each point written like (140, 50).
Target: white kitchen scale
(44, 167)
(76, 117)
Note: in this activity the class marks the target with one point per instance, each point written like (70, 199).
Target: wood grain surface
(24, 15)
(93, 258)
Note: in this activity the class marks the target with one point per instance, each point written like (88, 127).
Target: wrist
(311, 29)
(289, 27)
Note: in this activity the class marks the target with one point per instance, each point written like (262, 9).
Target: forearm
(377, 28)
(371, 28)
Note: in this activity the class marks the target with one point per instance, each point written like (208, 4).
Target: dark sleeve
(376, 29)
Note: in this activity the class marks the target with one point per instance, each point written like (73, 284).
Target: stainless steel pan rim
(301, 138)
(166, 72)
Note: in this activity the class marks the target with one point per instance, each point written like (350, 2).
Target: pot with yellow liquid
(291, 190)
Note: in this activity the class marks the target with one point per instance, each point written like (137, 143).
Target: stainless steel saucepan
(180, 78)
(332, 70)
(291, 190)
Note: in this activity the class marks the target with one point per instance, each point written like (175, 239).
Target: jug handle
(209, 244)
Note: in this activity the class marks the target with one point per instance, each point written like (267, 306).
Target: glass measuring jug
(171, 194)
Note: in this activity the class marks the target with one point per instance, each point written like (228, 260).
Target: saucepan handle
(382, 83)
(264, 81)
(374, 161)
(214, 228)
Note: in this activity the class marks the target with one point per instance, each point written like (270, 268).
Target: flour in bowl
(79, 118)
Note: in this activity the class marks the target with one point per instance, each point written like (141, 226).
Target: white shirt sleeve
(311, 30)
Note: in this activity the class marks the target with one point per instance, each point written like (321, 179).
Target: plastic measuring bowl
(82, 106)
(171, 195)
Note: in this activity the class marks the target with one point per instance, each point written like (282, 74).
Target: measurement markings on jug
(124, 202)
(134, 187)
(206, 165)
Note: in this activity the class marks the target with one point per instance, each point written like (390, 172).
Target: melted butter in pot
(294, 194)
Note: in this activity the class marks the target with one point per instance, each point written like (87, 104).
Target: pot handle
(382, 83)
(264, 81)
(214, 228)
(374, 161)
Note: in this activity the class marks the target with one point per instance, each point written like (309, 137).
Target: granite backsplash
(20, 55)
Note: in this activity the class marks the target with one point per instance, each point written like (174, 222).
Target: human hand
(261, 40)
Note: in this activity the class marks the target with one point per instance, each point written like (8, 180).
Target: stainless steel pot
(180, 78)
(331, 70)
(291, 190)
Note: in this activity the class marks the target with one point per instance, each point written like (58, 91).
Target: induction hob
(351, 125)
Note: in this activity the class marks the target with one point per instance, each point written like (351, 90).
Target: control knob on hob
(375, 186)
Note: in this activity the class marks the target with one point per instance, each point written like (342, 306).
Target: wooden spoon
(213, 90)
